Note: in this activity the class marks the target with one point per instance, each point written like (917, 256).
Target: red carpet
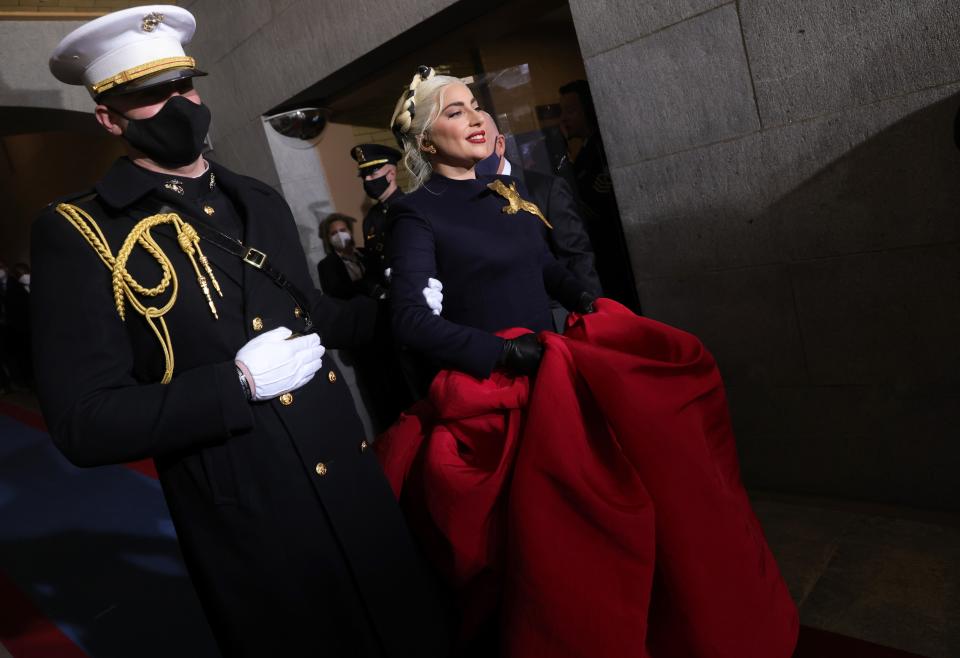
(24, 630)
(815, 643)
(34, 419)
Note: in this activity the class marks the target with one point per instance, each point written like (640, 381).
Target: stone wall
(788, 183)
(787, 179)
(25, 79)
(259, 54)
(789, 186)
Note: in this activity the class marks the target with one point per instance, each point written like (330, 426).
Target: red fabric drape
(600, 510)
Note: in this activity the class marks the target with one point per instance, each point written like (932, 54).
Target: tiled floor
(883, 574)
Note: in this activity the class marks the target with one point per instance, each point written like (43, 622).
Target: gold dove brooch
(514, 203)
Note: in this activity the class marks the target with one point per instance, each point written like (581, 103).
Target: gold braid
(403, 114)
(125, 287)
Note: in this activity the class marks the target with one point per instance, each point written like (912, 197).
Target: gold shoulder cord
(125, 285)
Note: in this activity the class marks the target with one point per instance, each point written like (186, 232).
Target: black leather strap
(253, 257)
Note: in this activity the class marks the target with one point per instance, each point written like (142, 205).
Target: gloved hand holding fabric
(521, 355)
(598, 510)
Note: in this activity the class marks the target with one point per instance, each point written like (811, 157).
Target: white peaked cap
(127, 50)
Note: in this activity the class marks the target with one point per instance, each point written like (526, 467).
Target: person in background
(594, 187)
(343, 273)
(568, 239)
(377, 166)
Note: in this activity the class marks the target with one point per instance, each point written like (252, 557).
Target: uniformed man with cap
(377, 166)
(174, 318)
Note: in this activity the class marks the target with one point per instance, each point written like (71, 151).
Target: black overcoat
(289, 530)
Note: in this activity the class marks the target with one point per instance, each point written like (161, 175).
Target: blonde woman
(480, 235)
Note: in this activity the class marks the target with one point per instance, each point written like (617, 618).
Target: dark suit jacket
(496, 271)
(335, 279)
(286, 560)
(568, 240)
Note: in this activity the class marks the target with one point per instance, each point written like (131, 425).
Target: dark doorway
(516, 57)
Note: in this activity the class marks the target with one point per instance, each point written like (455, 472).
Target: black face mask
(174, 136)
(374, 188)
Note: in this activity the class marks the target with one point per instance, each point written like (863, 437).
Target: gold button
(209, 210)
(321, 469)
(257, 324)
(297, 312)
(286, 399)
(332, 376)
(363, 446)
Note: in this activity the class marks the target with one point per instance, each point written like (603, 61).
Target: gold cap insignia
(151, 21)
(358, 154)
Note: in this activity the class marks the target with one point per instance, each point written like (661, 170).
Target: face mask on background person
(376, 187)
(341, 240)
(488, 166)
(25, 281)
(173, 136)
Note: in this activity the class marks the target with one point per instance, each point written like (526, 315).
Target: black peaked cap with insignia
(371, 157)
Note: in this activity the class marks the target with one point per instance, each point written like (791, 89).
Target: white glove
(387, 273)
(278, 363)
(433, 295)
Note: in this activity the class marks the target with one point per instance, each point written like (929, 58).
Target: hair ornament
(403, 119)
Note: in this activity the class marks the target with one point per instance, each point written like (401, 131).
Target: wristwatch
(244, 383)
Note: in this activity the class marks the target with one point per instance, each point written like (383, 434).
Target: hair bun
(406, 107)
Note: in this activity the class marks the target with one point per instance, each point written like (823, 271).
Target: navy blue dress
(496, 269)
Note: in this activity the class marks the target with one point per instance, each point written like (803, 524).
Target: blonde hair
(415, 113)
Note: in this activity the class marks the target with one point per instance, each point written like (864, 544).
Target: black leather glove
(521, 356)
(585, 304)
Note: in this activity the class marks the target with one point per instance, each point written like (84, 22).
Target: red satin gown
(598, 510)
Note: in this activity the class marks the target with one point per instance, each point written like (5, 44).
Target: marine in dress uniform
(290, 532)
(377, 166)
